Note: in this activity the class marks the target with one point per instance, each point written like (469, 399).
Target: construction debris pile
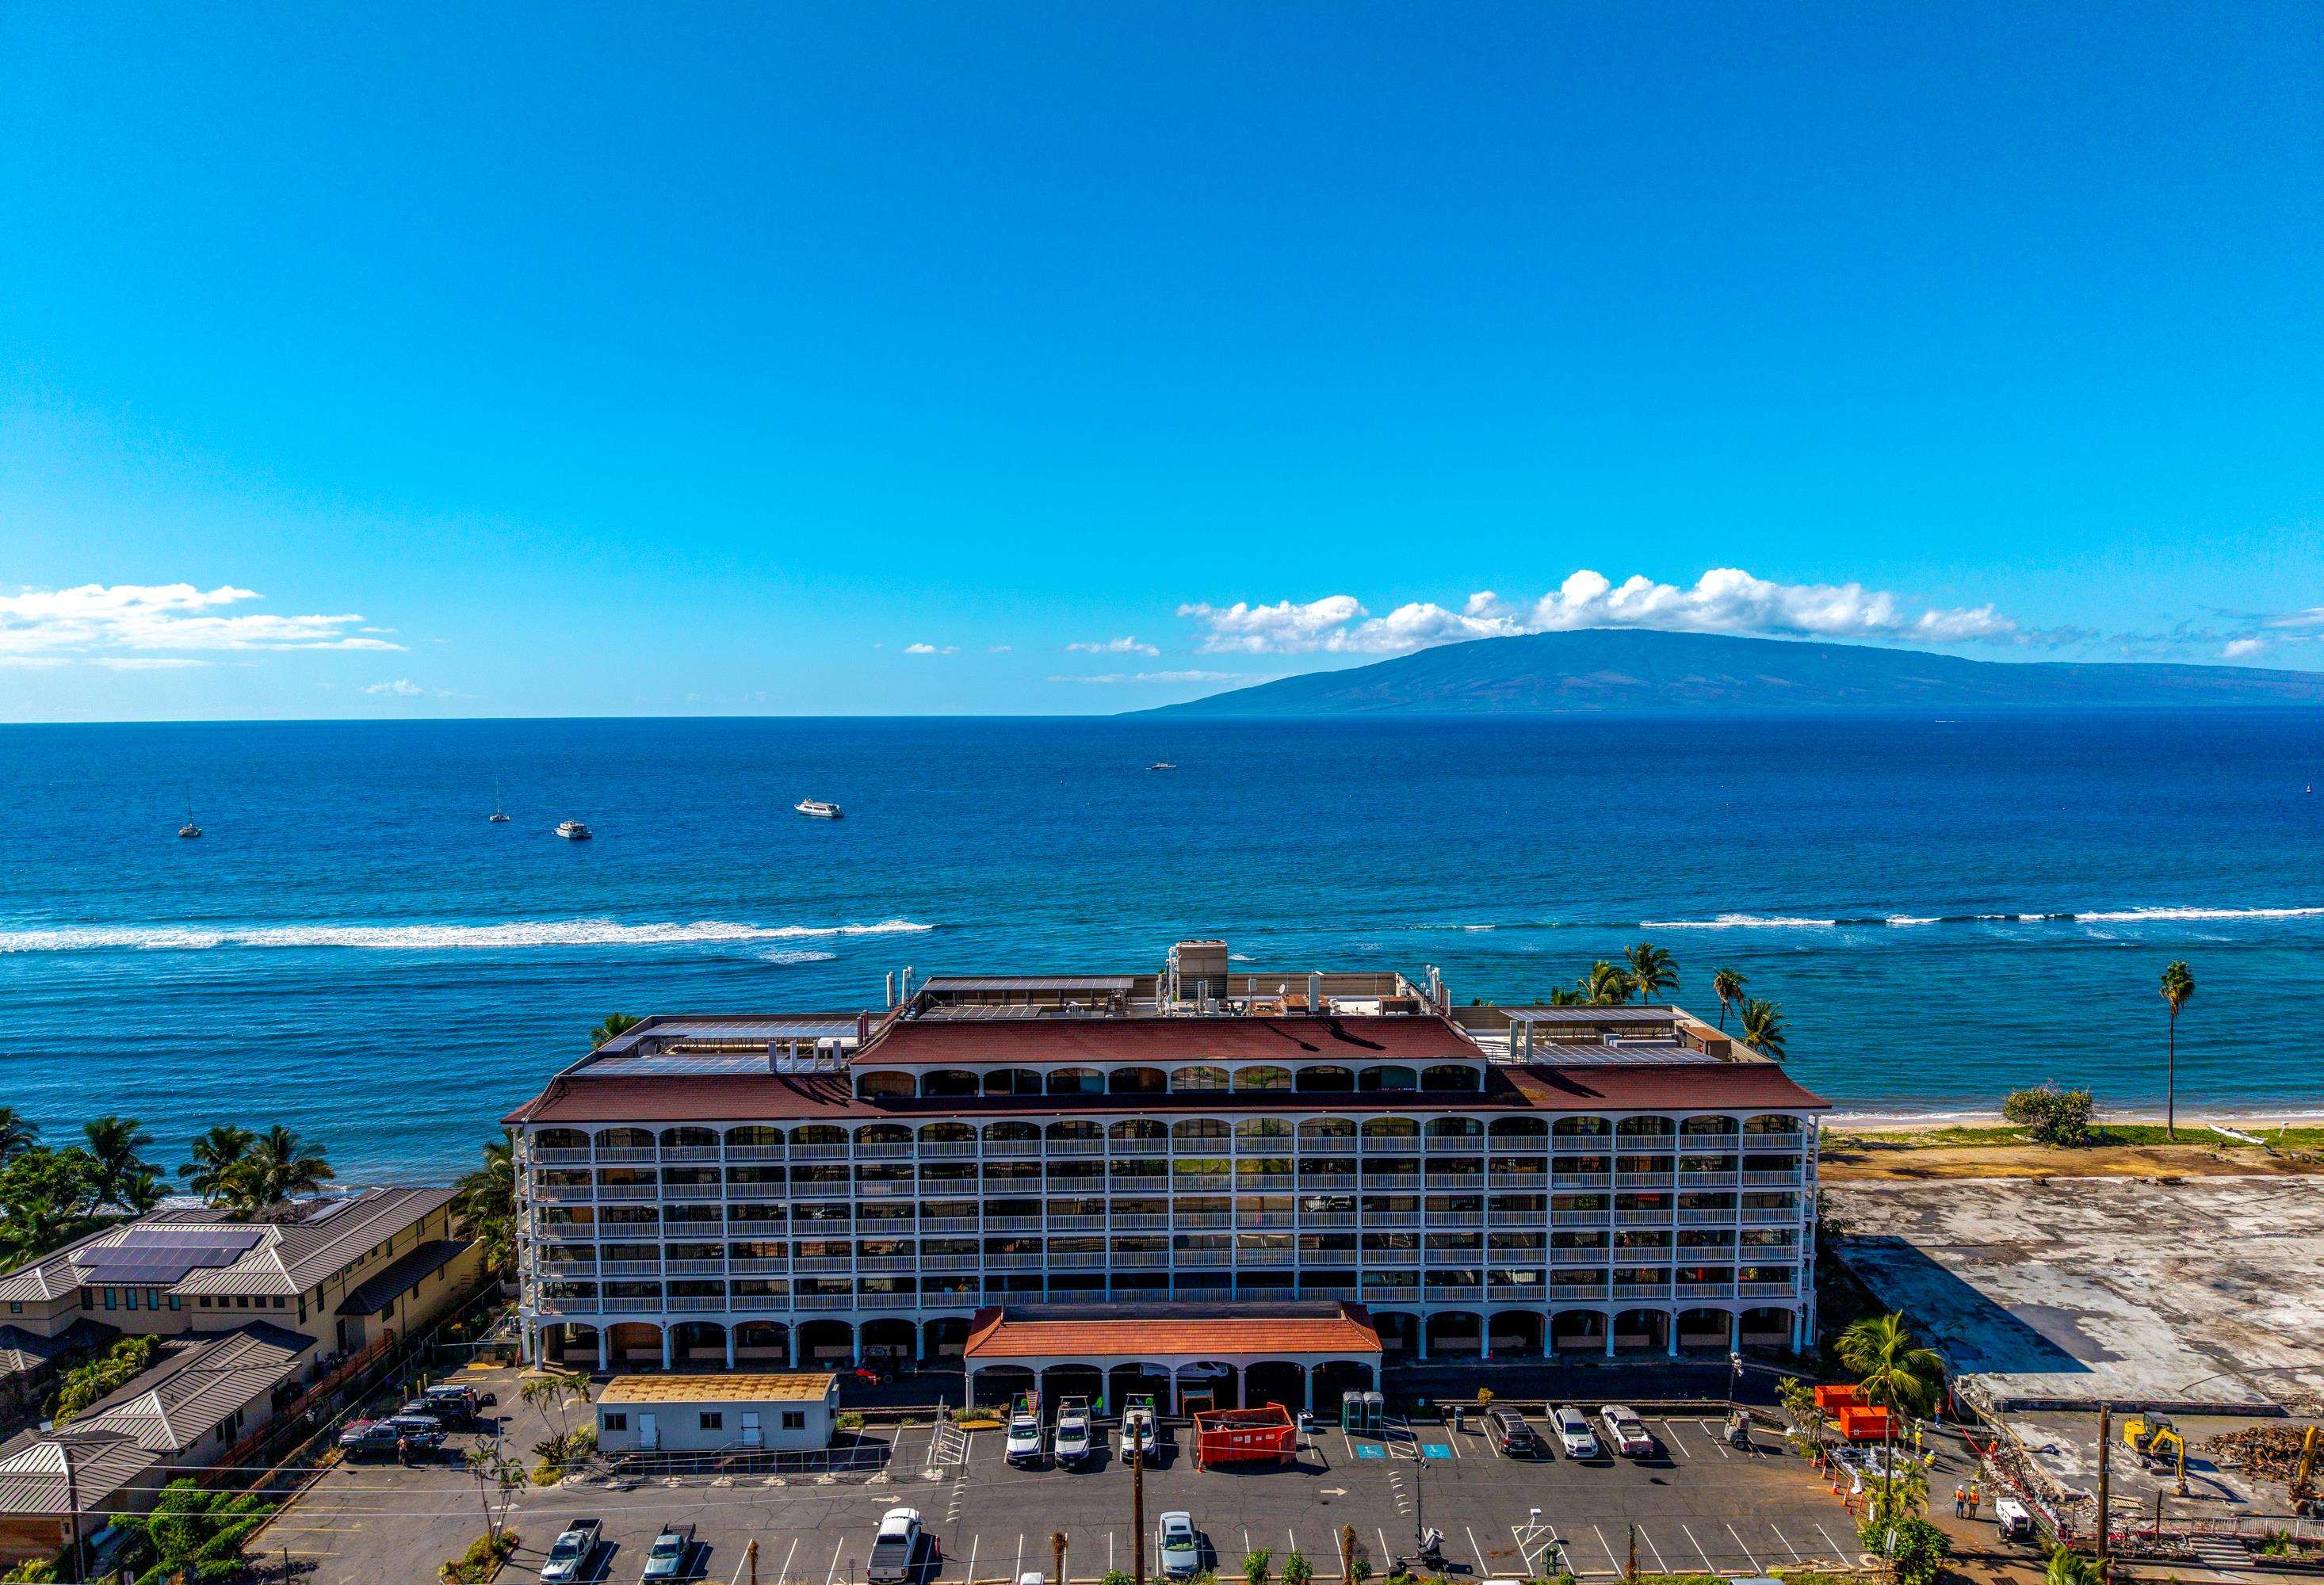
(2269, 1451)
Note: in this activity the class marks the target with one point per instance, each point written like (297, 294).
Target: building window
(714, 1420)
(794, 1419)
(129, 1298)
(109, 1298)
(615, 1421)
(177, 1304)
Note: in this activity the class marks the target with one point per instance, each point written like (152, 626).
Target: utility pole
(1137, 1511)
(2105, 1480)
(751, 1556)
(73, 1505)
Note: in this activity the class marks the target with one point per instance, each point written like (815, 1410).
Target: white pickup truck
(568, 1555)
(896, 1549)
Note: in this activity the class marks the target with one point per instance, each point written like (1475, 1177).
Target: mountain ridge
(1614, 670)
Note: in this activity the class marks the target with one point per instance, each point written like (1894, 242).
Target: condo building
(1024, 1156)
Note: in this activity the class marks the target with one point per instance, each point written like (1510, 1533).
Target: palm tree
(1567, 996)
(615, 1023)
(1895, 1371)
(485, 1204)
(18, 1133)
(1762, 1027)
(1728, 986)
(1606, 985)
(215, 1155)
(1653, 971)
(2178, 985)
(116, 1170)
(2069, 1567)
(279, 1166)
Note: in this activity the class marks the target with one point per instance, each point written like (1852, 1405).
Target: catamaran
(574, 831)
(816, 808)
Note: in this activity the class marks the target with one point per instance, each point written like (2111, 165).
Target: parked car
(1180, 1545)
(1573, 1433)
(368, 1436)
(894, 1549)
(1024, 1438)
(671, 1551)
(1626, 1431)
(414, 1422)
(1138, 1433)
(1072, 1442)
(1513, 1433)
(570, 1553)
(457, 1406)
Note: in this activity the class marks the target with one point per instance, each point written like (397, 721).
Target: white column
(1609, 1334)
(604, 1348)
(1307, 1375)
(665, 1345)
(1673, 1332)
(1735, 1332)
(730, 1345)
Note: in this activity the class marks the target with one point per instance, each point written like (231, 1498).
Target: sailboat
(499, 815)
(189, 829)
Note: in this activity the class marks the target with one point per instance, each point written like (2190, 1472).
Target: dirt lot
(1698, 1506)
(1906, 1153)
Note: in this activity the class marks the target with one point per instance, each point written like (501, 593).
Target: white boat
(189, 829)
(499, 816)
(574, 831)
(816, 809)
(1162, 765)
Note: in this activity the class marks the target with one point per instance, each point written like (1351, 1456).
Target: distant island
(1601, 671)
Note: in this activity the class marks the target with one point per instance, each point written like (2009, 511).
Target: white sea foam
(1738, 922)
(2148, 916)
(796, 955)
(1911, 919)
(513, 934)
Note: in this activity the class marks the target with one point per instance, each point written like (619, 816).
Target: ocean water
(1945, 908)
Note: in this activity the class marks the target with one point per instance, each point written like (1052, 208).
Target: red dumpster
(1240, 1436)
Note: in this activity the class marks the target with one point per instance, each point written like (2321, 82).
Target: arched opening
(1518, 1332)
(1580, 1128)
(945, 1338)
(1322, 1132)
(765, 1344)
(697, 1345)
(1576, 1332)
(1707, 1125)
(890, 1134)
(1645, 1128)
(1390, 1128)
(1336, 1377)
(1767, 1329)
(890, 1342)
(635, 1345)
(755, 1136)
(1772, 1125)
(1199, 1079)
(1211, 1378)
(1457, 1077)
(1140, 1129)
(1518, 1131)
(1455, 1332)
(1076, 1081)
(1011, 1081)
(1399, 1334)
(1637, 1332)
(1276, 1381)
(1125, 1382)
(1325, 1078)
(1388, 1076)
(1001, 1386)
(561, 1139)
(1454, 1132)
(1137, 1082)
(1077, 1130)
(689, 1138)
(1200, 1132)
(572, 1344)
(1703, 1331)
(960, 1134)
(884, 1084)
(825, 1345)
(814, 1136)
(624, 1139)
(1262, 1077)
(1075, 1380)
(1012, 1134)
(950, 1082)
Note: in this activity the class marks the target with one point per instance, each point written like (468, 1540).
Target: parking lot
(1698, 1506)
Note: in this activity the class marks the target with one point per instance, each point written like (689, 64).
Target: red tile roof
(741, 1097)
(1172, 1331)
(1391, 1038)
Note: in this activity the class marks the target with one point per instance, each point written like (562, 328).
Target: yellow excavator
(2154, 1439)
(2305, 1501)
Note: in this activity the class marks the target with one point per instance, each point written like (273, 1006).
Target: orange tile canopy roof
(1071, 1332)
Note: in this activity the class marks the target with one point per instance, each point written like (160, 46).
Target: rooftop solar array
(1590, 1015)
(682, 1065)
(1630, 1053)
(158, 1256)
(992, 982)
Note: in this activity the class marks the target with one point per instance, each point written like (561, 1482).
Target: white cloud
(403, 688)
(97, 619)
(930, 649)
(145, 663)
(2237, 649)
(1123, 677)
(998, 648)
(1122, 646)
(1724, 600)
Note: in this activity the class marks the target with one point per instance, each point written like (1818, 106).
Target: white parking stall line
(1708, 1566)
(1108, 1551)
(1481, 1570)
(1787, 1542)
(786, 1573)
(1386, 1556)
(1601, 1541)
(1838, 1552)
(1746, 1545)
(973, 1542)
(1019, 1573)
(1718, 1439)
(1678, 1443)
(1247, 1548)
(832, 1573)
(1647, 1536)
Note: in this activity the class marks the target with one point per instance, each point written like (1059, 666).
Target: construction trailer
(1851, 1416)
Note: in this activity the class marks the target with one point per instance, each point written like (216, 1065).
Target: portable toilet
(1352, 1410)
(1375, 1412)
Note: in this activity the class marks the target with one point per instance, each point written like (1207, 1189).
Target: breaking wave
(515, 934)
(1738, 922)
(2093, 917)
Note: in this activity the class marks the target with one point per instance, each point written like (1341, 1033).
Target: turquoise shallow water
(1944, 907)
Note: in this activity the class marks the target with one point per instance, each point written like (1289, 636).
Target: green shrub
(84, 1385)
(1919, 1555)
(483, 1554)
(850, 1421)
(1296, 1570)
(2051, 1116)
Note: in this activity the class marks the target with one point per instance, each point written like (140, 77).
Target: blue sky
(606, 360)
